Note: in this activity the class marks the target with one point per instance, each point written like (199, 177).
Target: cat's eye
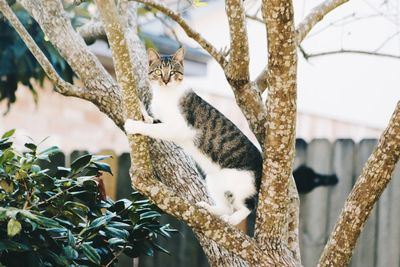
(158, 72)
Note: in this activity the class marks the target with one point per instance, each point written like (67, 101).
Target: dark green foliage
(18, 65)
(62, 219)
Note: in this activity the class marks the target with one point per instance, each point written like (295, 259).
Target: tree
(155, 164)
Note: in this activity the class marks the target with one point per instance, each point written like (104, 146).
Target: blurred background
(348, 86)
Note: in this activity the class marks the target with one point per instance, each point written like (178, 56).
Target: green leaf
(31, 146)
(90, 253)
(70, 252)
(7, 156)
(114, 232)
(149, 215)
(8, 133)
(81, 162)
(115, 241)
(103, 167)
(50, 151)
(100, 157)
(101, 221)
(120, 225)
(12, 245)
(46, 222)
(7, 186)
(5, 145)
(13, 227)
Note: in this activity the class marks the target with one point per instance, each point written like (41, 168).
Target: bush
(61, 218)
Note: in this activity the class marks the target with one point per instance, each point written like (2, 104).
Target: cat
(231, 162)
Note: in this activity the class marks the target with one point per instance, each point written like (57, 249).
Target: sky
(348, 87)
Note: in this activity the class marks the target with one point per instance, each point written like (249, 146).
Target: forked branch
(188, 30)
(141, 170)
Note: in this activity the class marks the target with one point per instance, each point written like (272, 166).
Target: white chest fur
(165, 106)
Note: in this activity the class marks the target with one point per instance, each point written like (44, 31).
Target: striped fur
(231, 163)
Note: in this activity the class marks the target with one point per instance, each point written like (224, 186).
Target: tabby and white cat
(232, 164)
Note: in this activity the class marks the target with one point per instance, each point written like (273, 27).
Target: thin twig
(350, 51)
(255, 18)
(169, 27)
(188, 30)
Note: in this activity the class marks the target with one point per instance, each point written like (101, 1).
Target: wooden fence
(378, 245)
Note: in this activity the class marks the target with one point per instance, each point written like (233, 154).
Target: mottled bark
(247, 95)
(92, 31)
(141, 167)
(374, 178)
(293, 221)
(279, 143)
(237, 70)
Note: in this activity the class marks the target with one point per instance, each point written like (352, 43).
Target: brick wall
(77, 124)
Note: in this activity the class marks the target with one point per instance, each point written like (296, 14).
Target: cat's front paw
(204, 205)
(133, 127)
(147, 118)
(230, 219)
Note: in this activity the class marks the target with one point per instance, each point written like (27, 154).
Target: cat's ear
(179, 55)
(152, 55)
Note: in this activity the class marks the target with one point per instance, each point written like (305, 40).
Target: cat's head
(166, 70)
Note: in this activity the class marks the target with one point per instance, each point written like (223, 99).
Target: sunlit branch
(375, 176)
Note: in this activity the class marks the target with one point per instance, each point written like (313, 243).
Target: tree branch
(140, 156)
(293, 220)
(62, 86)
(315, 16)
(56, 25)
(174, 168)
(92, 31)
(349, 51)
(374, 178)
(272, 212)
(188, 30)
(141, 168)
(237, 70)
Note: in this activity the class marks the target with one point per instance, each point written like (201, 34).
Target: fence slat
(388, 241)
(124, 187)
(343, 167)
(314, 208)
(365, 253)
(110, 181)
